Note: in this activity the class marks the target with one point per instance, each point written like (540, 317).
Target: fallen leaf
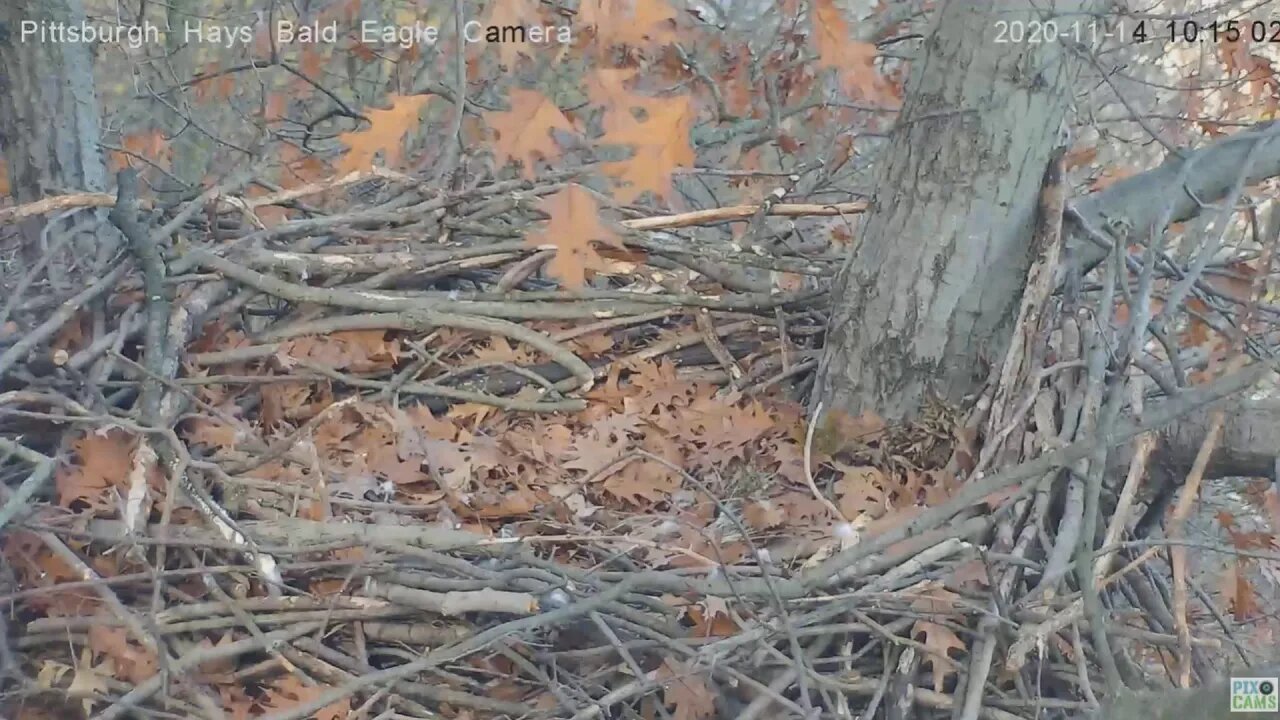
(938, 641)
(861, 491)
(101, 461)
(289, 692)
(685, 692)
(575, 224)
(764, 514)
(1238, 593)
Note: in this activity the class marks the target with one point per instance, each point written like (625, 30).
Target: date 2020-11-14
(1140, 31)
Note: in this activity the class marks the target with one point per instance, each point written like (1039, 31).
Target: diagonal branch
(1140, 199)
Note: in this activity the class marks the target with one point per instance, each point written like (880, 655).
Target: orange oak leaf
(938, 641)
(592, 453)
(311, 61)
(500, 350)
(764, 514)
(133, 663)
(711, 618)
(102, 460)
(214, 433)
(149, 145)
(629, 22)
(456, 465)
(289, 692)
(657, 387)
(357, 350)
(686, 691)
(524, 131)
(855, 61)
(861, 490)
(385, 134)
(641, 482)
(507, 13)
(605, 87)
(1234, 55)
(575, 223)
(661, 144)
(1237, 592)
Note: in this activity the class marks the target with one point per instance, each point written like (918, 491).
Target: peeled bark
(925, 304)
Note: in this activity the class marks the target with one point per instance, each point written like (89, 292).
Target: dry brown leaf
(686, 692)
(288, 691)
(655, 386)
(861, 490)
(385, 134)
(457, 464)
(854, 60)
(356, 350)
(640, 482)
(102, 460)
(500, 350)
(661, 144)
(629, 22)
(711, 618)
(575, 223)
(133, 663)
(506, 13)
(593, 344)
(938, 641)
(89, 681)
(524, 131)
(1237, 591)
(764, 514)
(606, 87)
(1110, 176)
(839, 431)
(592, 452)
(619, 426)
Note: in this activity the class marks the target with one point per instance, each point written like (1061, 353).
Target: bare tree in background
(49, 117)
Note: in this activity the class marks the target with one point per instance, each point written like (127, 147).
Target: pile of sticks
(975, 607)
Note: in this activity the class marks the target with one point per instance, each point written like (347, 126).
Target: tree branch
(1140, 199)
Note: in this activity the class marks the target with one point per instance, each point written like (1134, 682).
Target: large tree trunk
(49, 124)
(926, 302)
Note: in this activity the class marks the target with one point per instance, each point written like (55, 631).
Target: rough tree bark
(49, 120)
(927, 297)
(926, 301)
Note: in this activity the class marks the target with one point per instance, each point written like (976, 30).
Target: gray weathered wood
(49, 119)
(927, 299)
